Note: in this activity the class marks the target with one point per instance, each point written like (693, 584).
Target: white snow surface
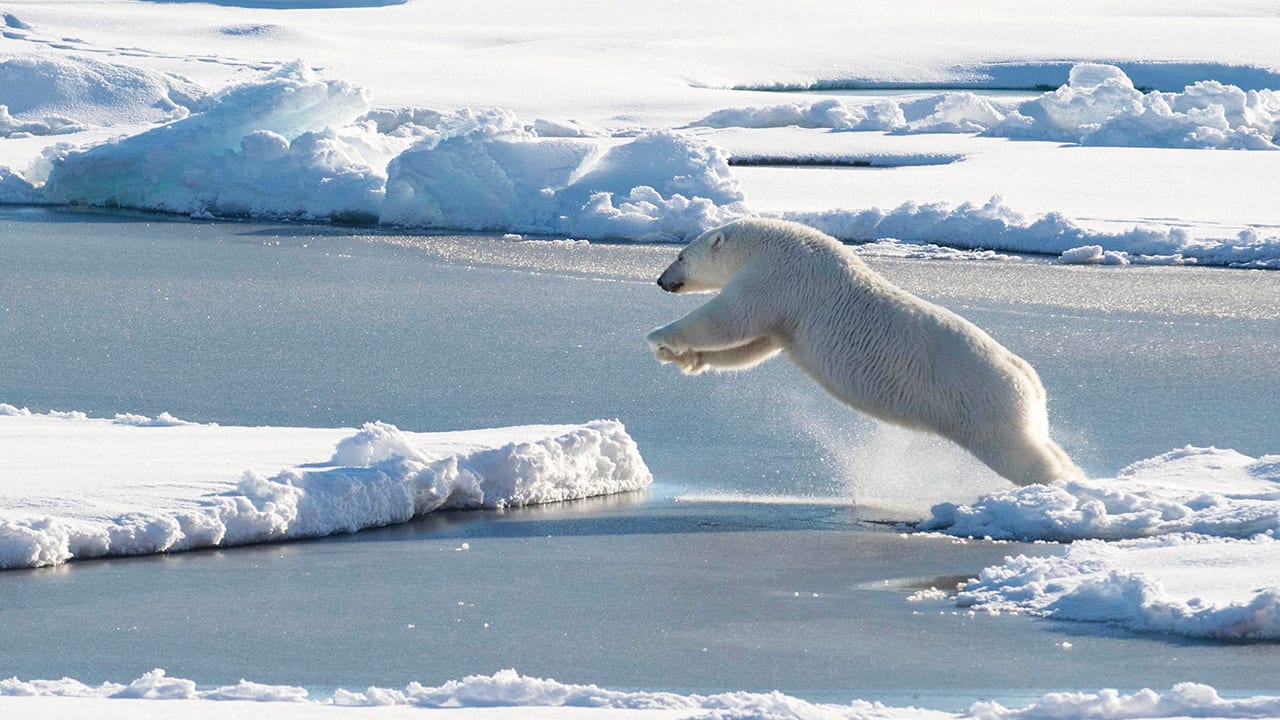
(136, 485)
(1207, 491)
(1189, 585)
(42, 95)
(1181, 544)
(484, 697)
(543, 118)
(1098, 105)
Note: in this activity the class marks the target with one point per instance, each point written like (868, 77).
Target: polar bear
(785, 287)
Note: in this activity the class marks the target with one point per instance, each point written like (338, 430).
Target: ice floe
(485, 696)
(1099, 105)
(1199, 490)
(139, 485)
(1182, 544)
(293, 144)
(995, 226)
(1189, 585)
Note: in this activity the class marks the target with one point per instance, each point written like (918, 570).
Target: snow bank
(1200, 490)
(138, 485)
(293, 145)
(1099, 105)
(487, 172)
(1190, 585)
(46, 95)
(510, 689)
(995, 226)
(269, 147)
(831, 113)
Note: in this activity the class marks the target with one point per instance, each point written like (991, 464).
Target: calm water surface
(285, 325)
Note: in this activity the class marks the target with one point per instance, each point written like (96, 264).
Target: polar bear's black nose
(669, 286)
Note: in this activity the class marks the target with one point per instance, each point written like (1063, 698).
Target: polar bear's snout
(671, 280)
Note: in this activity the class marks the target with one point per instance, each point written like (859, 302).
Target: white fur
(787, 287)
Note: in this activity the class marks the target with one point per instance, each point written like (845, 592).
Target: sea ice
(138, 485)
(1190, 585)
(482, 697)
(1198, 490)
(1099, 105)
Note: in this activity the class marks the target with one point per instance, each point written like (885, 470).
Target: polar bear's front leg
(694, 362)
(738, 358)
(717, 325)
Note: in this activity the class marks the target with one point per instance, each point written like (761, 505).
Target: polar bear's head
(704, 265)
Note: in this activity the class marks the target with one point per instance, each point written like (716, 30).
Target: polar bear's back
(878, 347)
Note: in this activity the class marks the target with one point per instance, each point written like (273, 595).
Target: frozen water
(138, 485)
(549, 699)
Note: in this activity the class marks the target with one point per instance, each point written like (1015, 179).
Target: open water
(799, 586)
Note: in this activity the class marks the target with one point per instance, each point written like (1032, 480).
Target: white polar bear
(787, 287)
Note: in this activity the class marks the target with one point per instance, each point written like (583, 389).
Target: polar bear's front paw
(664, 346)
(690, 363)
(665, 354)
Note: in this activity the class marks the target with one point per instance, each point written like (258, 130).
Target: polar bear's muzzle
(670, 281)
(670, 286)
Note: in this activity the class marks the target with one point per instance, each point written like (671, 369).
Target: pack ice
(136, 485)
(1184, 544)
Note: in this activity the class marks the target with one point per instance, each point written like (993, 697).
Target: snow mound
(1099, 105)
(161, 485)
(293, 145)
(45, 95)
(510, 689)
(264, 148)
(1200, 490)
(1190, 585)
(830, 113)
(995, 226)
(490, 173)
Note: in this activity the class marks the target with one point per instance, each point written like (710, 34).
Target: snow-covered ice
(486, 697)
(135, 485)
(1185, 584)
(1200, 490)
(523, 123)
(1183, 544)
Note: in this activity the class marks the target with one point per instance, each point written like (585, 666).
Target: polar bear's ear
(717, 240)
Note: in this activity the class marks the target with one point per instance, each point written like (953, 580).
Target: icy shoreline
(1181, 544)
(162, 485)
(490, 695)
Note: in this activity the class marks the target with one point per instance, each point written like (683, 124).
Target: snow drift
(290, 144)
(294, 145)
(140, 485)
(1189, 585)
(487, 172)
(1200, 490)
(1099, 105)
(263, 148)
(995, 226)
(510, 689)
(1183, 544)
(44, 95)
